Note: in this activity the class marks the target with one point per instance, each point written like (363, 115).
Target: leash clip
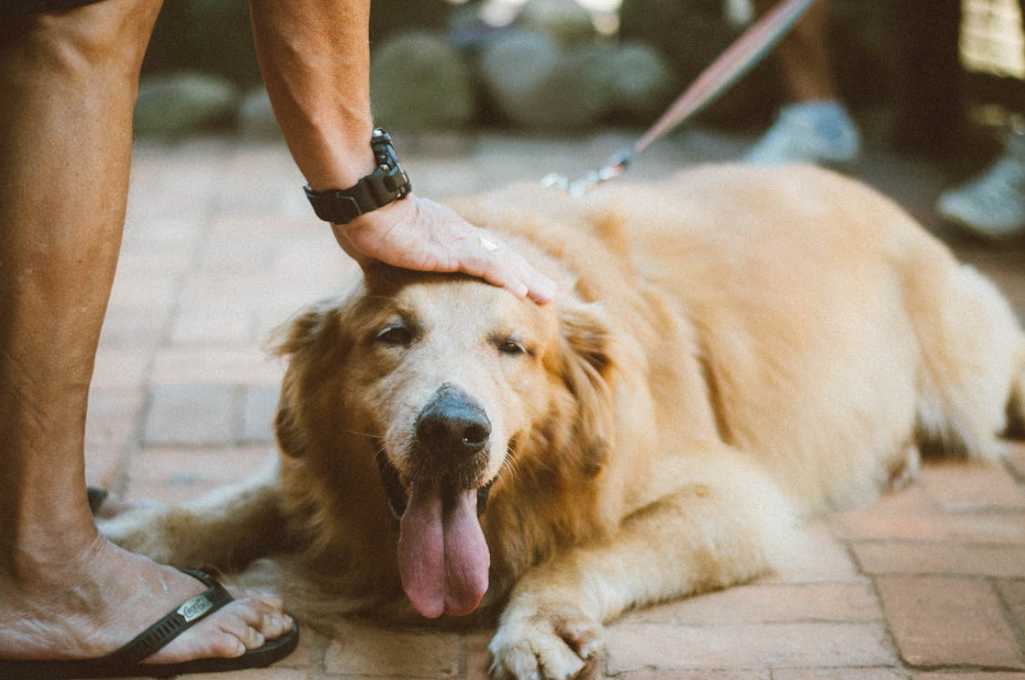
(613, 167)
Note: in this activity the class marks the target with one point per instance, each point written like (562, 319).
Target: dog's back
(814, 300)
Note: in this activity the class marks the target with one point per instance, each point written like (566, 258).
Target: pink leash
(749, 49)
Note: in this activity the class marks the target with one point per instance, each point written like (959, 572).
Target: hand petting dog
(417, 233)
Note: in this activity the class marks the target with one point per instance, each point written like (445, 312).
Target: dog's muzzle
(450, 445)
(397, 496)
(451, 437)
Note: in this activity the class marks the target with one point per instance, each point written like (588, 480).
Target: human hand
(417, 233)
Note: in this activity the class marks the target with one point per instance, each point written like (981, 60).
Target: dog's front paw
(553, 643)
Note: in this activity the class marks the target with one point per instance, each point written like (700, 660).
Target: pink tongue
(443, 557)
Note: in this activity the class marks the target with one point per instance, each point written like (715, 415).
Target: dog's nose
(453, 423)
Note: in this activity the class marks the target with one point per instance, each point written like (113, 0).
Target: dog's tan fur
(728, 349)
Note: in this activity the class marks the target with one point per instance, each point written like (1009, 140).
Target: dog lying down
(730, 349)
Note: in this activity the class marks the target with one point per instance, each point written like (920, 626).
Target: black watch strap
(387, 184)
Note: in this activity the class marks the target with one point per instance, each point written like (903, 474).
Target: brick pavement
(220, 247)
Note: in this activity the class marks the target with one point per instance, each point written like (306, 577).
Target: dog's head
(443, 384)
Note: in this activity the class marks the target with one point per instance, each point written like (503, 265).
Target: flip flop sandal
(125, 662)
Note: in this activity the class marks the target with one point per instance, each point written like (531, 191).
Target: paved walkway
(220, 247)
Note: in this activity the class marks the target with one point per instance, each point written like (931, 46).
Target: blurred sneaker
(809, 132)
(992, 204)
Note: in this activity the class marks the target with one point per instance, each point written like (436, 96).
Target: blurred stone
(256, 116)
(537, 85)
(564, 21)
(639, 81)
(420, 82)
(691, 35)
(171, 106)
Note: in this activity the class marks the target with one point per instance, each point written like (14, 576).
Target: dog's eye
(396, 336)
(511, 347)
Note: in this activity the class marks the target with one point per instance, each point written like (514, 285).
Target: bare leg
(804, 55)
(814, 127)
(68, 82)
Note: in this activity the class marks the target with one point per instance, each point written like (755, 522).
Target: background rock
(419, 81)
(639, 82)
(175, 105)
(564, 21)
(535, 84)
(256, 116)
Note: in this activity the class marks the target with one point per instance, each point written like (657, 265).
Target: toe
(266, 615)
(228, 633)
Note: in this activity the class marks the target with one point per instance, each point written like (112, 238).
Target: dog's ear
(288, 429)
(588, 335)
(311, 341)
(301, 331)
(587, 365)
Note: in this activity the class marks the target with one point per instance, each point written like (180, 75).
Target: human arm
(315, 59)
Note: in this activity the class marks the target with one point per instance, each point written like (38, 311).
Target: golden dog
(729, 350)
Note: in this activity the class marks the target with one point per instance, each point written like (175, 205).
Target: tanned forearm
(315, 55)
(315, 58)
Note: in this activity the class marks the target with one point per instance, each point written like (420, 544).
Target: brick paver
(220, 248)
(838, 674)
(769, 603)
(941, 558)
(942, 621)
(972, 487)
(365, 648)
(1013, 594)
(783, 645)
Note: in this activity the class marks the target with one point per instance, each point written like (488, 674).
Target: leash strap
(749, 49)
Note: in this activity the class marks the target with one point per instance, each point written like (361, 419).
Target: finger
(508, 269)
(485, 260)
(540, 288)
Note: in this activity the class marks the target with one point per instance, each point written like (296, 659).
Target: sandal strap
(193, 610)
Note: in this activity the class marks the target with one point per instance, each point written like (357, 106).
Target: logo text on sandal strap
(194, 608)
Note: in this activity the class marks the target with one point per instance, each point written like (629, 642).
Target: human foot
(91, 606)
(819, 132)
(991, 205)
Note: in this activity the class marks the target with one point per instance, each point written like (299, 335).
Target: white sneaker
(809, 132)
(992, 204)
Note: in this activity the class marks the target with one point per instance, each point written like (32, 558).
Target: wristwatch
(387, 184)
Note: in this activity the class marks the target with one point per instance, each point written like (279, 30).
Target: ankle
(45, 562)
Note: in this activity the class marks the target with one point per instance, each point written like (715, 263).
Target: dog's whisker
(361, 433)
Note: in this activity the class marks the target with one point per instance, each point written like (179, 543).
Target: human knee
(110, 36)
